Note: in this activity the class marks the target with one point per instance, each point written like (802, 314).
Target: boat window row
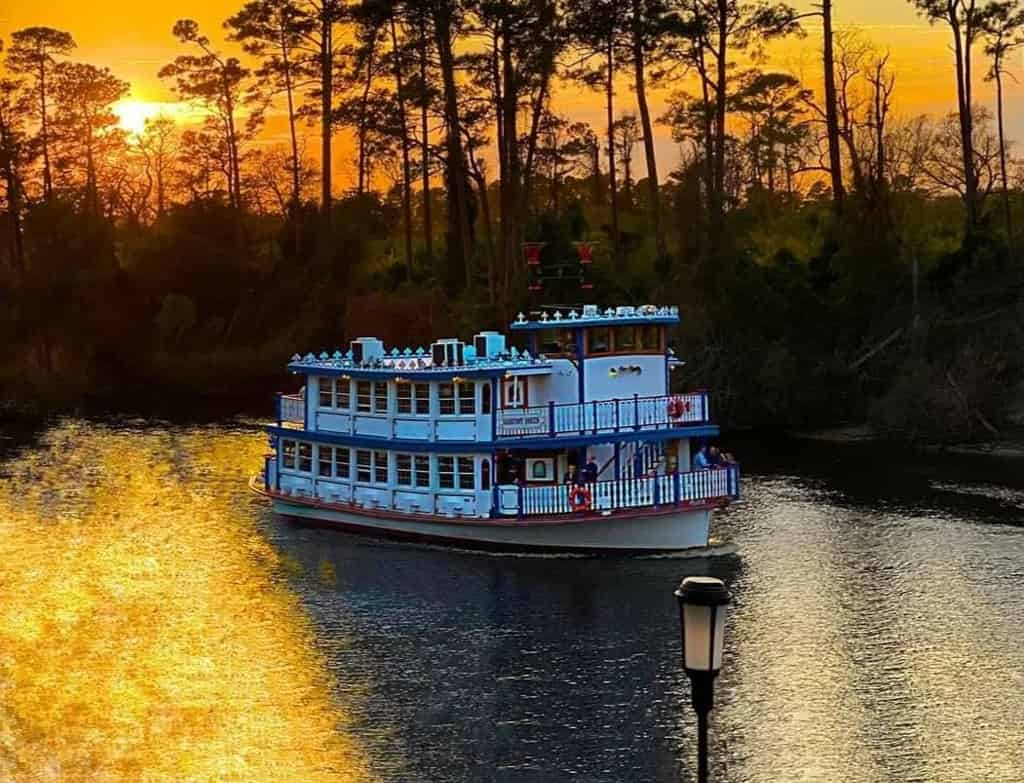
(372, 466)
(410, 399)
(603, 340)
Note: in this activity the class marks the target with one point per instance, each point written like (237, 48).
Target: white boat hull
(667, 530)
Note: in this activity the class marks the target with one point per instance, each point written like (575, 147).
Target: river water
(158, 623)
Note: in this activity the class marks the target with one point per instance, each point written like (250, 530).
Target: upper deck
(582, 374)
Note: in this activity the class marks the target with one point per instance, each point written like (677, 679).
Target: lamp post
(702, 610)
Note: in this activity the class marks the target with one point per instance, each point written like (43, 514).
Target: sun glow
(134, 114)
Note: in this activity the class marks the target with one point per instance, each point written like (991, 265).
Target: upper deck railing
(599, 417)
(291, 408)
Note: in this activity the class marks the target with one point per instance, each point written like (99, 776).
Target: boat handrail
(665, 489)
(619, 414)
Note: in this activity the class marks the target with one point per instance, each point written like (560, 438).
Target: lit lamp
(702, 610)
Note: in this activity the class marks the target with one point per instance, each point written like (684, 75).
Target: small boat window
(403, 397)
(650, 338)
(342, 466)
(380, 397)
(599, 340)
(421, 400)
(485, 398)
(325, 460)
(446, 472)
(467, 476)
(342, 394)
(326, 392)
(556, 341)
(421, 470)
(364, 397)
(306, 457)
(466, 393)
(380, 467)
(403, 470)
(364, 464)
(625, 338)
(485, 474)
(446, 396)
(288, 454)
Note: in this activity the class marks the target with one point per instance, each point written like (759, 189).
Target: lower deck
(499, 485)
(650, 530)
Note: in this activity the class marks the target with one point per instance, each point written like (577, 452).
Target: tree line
(461, 154)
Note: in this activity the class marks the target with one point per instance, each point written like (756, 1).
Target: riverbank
(1009, 444)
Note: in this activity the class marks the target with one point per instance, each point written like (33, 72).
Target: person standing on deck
(590, 470)
(700, 459)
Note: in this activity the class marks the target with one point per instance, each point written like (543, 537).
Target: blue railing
(291, 408)
(669, 489)
(628, 414)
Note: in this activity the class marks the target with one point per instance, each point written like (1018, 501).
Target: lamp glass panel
(719, 637)
(697, 636)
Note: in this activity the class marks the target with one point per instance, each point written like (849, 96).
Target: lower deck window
(333, 461)
(306, 457)
(288, 454)
(371, 466)
(466, 477)
(455, 473)
(412, 470)
(364, 465)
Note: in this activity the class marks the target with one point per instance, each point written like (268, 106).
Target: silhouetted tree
(273, 31)
(86, 123)
(1004, 32)
(33, 52)
(966, 22)
(217, 83)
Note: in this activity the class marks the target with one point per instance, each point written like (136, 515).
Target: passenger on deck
(590, 470)
(715, 457)
(700, 459)
(572, 476)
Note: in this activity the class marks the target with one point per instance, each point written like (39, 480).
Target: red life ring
(579, 498)
(678, 407)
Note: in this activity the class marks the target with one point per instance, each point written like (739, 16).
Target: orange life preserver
(579, 498)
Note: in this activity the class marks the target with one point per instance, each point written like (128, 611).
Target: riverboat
(571, 442)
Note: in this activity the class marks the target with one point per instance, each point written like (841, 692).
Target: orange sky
(134, 39)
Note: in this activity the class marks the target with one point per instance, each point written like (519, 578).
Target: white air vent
(448, 353)
(489, 344)
(366, 349)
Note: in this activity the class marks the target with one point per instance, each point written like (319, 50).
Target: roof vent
(448, 353)
(489, 344)
(367, 349)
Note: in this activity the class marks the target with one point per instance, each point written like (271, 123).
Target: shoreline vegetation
(835, 260)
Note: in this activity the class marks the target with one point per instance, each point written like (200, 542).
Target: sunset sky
(134, 40)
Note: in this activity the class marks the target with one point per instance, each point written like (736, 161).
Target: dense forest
(836, 260)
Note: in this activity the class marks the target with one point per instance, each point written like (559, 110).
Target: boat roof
(592, 315)
(419, 365)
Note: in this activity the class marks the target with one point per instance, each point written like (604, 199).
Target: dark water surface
(877, 631)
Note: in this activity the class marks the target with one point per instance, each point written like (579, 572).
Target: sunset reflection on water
(145, 630)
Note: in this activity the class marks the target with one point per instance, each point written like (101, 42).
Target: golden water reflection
(145, 632)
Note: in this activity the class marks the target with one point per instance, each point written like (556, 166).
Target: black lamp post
(702, 610)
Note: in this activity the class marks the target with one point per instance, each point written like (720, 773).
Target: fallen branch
(880, 347)
(967, 408)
